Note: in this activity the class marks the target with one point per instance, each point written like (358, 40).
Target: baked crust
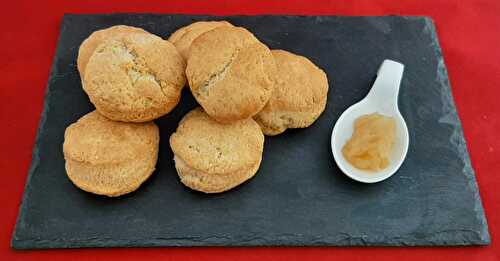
(230, 73)
(183, 37)
(135, 79)
(110, 158)
(214, 157)
(299, 96)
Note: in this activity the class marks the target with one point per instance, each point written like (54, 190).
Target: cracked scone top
(108, 157)
(214, 157)
(230, 73)
(135, 79)
(89, 45)
(183, 37)
(299, 95)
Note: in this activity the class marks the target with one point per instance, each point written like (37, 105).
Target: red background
(469, 33)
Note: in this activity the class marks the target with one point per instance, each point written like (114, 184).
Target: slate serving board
(299, 196)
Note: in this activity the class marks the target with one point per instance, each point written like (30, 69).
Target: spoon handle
(385, 90)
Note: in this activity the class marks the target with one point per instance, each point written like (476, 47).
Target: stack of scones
(244, 90)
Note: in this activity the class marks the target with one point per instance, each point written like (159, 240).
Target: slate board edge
(35, 159)
(470, 237)
(30, 244)
(216, 16)
(484, 235)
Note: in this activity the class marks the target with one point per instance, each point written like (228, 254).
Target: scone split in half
(110, 158)
(213, 157)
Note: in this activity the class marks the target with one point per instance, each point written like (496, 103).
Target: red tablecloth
(469, 33)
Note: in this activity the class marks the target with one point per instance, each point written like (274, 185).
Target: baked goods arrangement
(132, 77)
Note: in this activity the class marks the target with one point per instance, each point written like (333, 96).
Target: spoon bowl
(382, 99)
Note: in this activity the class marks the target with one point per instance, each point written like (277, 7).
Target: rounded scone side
(136, 79)
(96, 38)
(299, 96)
(212, 183)
(109, 158)
(230, 73)
(184, 36)
(214, 157)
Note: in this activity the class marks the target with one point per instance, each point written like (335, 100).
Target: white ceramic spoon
(383, 99)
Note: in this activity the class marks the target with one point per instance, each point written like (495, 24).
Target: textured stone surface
(299, 196)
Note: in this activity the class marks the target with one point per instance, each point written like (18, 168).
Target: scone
(230, 73)
(89, 45)
(107, 157)
(213, 157)
(183, 37)
(135, 79)
(299, 95)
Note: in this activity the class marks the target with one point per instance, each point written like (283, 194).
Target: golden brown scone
(230, 73)
(299, 95)
(183, 37)
(136, 79)
(89, 45)
(213, 157)
(110, 158)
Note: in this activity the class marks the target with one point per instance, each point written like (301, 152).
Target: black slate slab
(299, 196)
